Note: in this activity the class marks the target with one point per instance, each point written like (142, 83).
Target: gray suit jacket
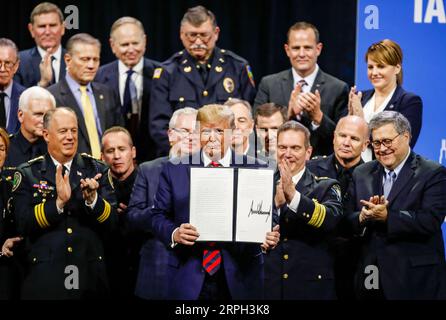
(107, 104)
(334, 99)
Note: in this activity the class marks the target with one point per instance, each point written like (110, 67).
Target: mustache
(199, 46)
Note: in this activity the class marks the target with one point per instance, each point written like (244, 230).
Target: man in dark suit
(95, 104)
(43, 65)
(397, 204)
(152, 282)
(313, 97)
(309, 208)
(131, 75)
(238, 267)
(198, 75)
(64, 204)
(9, 89)
(351, 137)
(28, 142)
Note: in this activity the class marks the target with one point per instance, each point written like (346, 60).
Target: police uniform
(301, 266)
(345, 247)
(67, 244)
(21, 151)
(179, 83)
(122, 247)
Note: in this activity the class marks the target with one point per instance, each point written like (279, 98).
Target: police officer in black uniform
(28, 142)
(124, 243)
(199, 75)
(63, 205)
(351, 138)
(309, 208)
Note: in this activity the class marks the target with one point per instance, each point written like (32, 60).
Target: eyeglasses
(376, 144)
(204, 36)
(7, 64)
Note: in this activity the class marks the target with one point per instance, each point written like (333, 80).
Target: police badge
(229, 85)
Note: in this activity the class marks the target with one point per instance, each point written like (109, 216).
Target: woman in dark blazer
(385, 72)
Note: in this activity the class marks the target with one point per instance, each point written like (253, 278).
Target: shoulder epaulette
(233, 55)
(89, 156)
(36, 159)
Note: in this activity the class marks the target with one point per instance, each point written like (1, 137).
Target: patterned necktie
(53, 77)
(212, 257)
(388, 183)
(2, 110)
(90, 123)
(302, 83)
(130, 94)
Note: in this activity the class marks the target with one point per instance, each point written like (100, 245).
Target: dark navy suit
(301, 266)
(179, 84)
(408, 248)
(109, 75)
(242, 263)
(277, 88)
(13, 121)
(28, 74)
(152, 278)
(107, 105)
(406, 103)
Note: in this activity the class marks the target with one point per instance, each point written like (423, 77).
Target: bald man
(351, 138)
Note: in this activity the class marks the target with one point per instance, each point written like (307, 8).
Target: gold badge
(229, 85)
(187, 69)
(218, 69)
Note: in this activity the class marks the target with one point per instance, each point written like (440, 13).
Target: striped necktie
(212, 256)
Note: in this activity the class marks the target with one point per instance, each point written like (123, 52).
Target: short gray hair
(49, 115)
(298, 127)
(35, 93)
(198, 15)
(233, 101)
(179, 112)
(126, 20)
(399, 121)
(5, 42)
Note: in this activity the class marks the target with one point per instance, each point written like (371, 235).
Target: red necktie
(212, 257)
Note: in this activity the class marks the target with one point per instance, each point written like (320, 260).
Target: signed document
(254, 205)
(231, 204)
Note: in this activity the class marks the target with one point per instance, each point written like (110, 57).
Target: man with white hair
(28, 142)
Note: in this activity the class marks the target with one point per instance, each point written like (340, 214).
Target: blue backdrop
(419, 27)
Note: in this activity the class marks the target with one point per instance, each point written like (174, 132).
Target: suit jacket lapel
(318, 83)
(403, 178)
(287, 85)
(75, 178)
(13, 109)
(100, 105)
(36, 59)
(304, 183)
(395, 97)
(63, 66)
(48, 169)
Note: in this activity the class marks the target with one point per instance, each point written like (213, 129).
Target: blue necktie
(388, 183)
(130, 94)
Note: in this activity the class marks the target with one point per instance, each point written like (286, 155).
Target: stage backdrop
(419, 27)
